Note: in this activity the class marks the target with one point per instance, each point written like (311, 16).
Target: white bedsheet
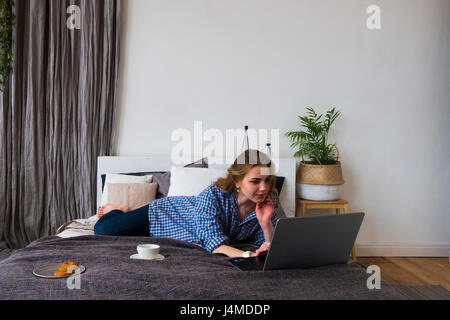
(76, 228)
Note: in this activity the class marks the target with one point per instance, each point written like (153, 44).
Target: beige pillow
(133, 195)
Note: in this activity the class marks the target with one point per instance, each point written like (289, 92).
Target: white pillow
(192, 181)
(122, 178)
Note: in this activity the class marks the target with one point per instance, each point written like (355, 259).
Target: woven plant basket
(320, 174)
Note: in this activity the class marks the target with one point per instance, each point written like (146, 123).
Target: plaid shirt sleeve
(258, 239)
(207, 214)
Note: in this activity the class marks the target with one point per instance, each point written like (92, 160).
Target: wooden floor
(412, 271)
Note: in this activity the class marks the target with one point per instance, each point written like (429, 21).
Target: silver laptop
(307, 242)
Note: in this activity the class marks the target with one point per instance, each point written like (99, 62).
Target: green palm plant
(312, 142)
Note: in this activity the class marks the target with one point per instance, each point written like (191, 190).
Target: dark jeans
(119, 223)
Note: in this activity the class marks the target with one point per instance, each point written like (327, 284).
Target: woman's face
(255, 186)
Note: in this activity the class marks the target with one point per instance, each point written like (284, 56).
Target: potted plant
(319, 177)
(7, 25)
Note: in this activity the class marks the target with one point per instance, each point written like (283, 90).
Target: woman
(237, 208)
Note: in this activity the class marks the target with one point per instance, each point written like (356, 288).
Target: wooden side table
(338, 205)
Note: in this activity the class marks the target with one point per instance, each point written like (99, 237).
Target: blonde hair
(246, 161)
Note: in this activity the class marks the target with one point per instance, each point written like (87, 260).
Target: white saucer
(136, 256)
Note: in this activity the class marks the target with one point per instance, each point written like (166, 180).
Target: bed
(187, 272)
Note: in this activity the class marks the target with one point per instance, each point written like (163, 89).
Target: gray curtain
(57, 115)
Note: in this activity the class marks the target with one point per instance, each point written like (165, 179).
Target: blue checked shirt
(210, 219)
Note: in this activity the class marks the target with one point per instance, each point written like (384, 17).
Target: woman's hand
(262, 249)
(264, 211)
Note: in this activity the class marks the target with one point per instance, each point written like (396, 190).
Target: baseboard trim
(395, 249)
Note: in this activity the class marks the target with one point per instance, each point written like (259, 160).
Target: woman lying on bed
(236, 208)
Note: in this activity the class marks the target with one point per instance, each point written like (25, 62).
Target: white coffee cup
(148, 251)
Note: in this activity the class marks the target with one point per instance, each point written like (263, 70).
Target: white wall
(262, 62)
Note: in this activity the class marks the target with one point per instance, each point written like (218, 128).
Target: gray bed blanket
(188, 272)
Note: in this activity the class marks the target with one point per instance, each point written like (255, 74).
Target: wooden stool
(303, 205)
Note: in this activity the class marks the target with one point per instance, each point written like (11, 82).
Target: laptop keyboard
(248, 264)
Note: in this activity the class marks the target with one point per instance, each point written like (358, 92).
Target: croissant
(66, 268)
